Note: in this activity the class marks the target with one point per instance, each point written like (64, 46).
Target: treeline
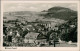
(71, 35)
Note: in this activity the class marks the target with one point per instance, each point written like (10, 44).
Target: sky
(9, 7)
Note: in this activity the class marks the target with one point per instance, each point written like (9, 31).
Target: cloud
(16, 8)
(35, 6)
(32, 8)
(73, 7)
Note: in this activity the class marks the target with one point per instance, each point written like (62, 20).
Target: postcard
(40, 25)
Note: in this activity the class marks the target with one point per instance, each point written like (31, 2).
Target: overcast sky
(7, 7)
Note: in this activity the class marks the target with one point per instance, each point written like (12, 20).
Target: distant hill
(54, 12)
(61, 13)
(27, 15)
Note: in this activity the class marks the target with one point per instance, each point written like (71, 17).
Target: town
(39, 33)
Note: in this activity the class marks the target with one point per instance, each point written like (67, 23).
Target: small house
(31, 37)
(41, 39)
(35, 38)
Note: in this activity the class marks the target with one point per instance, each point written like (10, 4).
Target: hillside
(61, 13)
(22, 15)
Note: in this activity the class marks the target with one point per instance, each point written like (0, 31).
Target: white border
(40, 48)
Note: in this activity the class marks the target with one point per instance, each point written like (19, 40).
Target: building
(35, 38)
(31, 37)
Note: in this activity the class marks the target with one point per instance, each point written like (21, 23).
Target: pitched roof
(41, 36)
(32, 35)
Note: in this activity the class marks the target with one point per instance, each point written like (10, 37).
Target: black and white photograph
(40, 24)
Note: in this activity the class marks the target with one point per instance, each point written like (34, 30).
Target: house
(30, 37)
(41, 39)
(29, 28)
(35, 38)
(55, 28)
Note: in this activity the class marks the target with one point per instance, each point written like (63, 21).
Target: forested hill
(61, 13)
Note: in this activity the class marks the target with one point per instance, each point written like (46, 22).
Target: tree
(48, 34)
(73, 34)
(74, 37)
(52, 35)
(70, 36)
(4, 30)
(24, 33)
(65, 37)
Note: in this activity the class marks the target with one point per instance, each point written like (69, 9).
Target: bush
(65, 37)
